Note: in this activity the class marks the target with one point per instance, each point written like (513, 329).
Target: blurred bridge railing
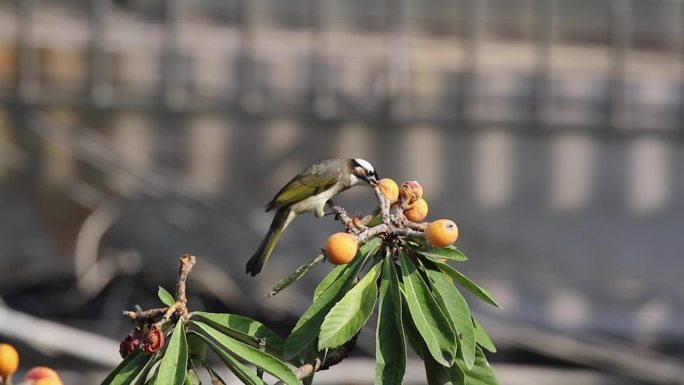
(609, 64)
(153, 128)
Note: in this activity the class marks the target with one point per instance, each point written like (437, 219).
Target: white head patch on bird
(364, 171)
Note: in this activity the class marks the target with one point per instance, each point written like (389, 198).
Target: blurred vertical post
(397, 61)
(473, 25)
(545, 23)
(322, 82)
(620, 27)
(247, 63)
(173, 80)
(28, 86)
(676, 34)
(100, 87)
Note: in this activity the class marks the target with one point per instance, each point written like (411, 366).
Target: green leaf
(464, 281)
(349, 315)
(448, 252)
(376, 220)
(482, 337)
(418, 243)
(249, 353)
(244, 329)
(165, 296)
(329, 279)
(456, 307)
(197, 349)
(292, 278)
(192, 378)
(431, 322)
(309, 324)
(436, 374)
(412, 334)
(390, 346)
(243, 373)
(128, 369)
(481, 373)
(142, 378)
(369, 248)
(441, 375)
(172, 369)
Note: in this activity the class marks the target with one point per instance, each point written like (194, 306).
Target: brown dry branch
(392, 224)
(179, 308)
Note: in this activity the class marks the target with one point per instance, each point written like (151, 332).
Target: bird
(310, 190)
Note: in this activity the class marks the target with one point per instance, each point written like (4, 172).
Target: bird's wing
(304, 186)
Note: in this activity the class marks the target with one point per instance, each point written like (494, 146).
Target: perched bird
(309, 191)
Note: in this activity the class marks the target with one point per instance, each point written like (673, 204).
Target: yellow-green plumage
(308, 191)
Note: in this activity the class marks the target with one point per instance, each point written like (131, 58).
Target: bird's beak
(373, 180)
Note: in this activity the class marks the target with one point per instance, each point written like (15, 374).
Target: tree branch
(392, 224)
(333, 357)
(180, 307)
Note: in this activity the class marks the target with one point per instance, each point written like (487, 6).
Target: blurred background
(134, 131)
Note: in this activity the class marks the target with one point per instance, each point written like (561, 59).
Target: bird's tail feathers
(258, 260)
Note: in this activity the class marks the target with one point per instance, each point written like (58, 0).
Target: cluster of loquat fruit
(9, 363)
(341, 248)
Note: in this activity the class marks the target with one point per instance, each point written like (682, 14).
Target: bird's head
(364, 171)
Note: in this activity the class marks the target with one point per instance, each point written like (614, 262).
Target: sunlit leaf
(309, 324)
(128, 369)
(249, 353)
(481, 373)
(292, 278)
(437, 374)
(482, 337)
(242, 372)
(431, 322)
(166, 297)
(455, 306)
(245, 329)
(369, 248)
(191, 378)
(172, 369)
(464, 281)
(390, 348)
(350, 313)
(448, 252)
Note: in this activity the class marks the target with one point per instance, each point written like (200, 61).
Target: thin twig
(180, 307)
(186, 263)
(394, 225)
(384, 205)
(386, 229)
(333, 357)
(149, 314)
(342, 216)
